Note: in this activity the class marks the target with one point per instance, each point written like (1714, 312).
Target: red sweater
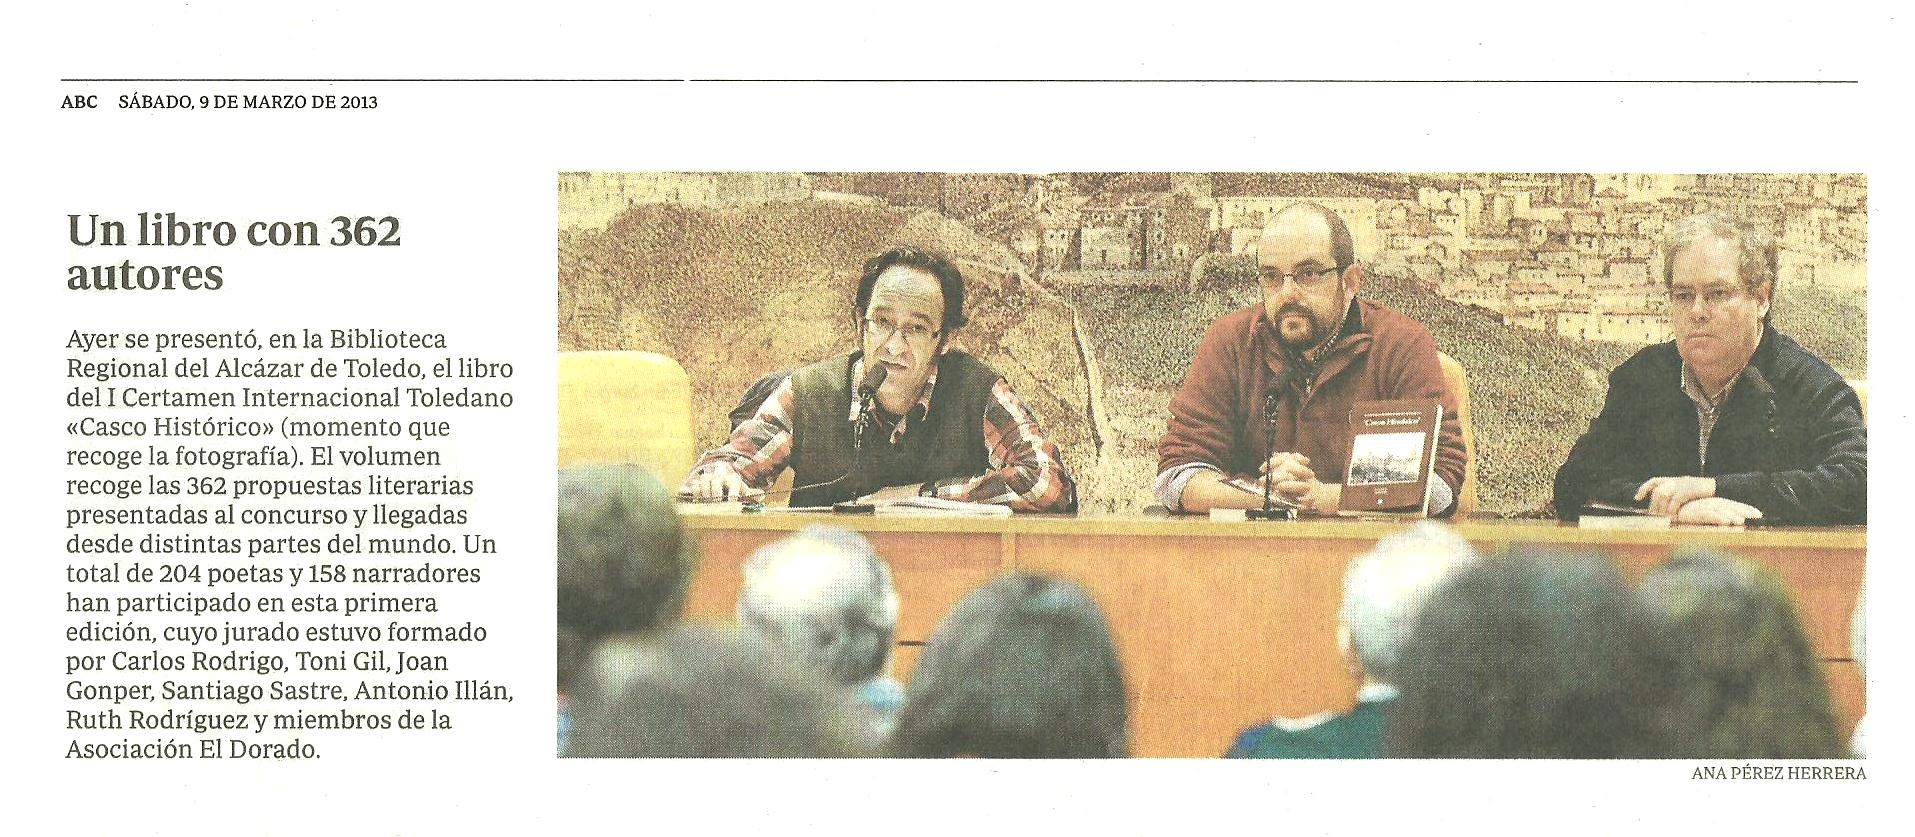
(1217, 416)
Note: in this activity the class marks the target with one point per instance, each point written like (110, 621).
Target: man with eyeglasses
(1732, 421)
(940, 423)
(1292, 368)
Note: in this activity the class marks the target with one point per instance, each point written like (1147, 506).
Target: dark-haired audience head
(1385, 588)
(689, 691)
(1023, 667)
(1529, 655)
(1747, 683)
(623, 561)
(826, 597)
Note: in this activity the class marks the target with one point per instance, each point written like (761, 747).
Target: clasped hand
(1694, 500)
(1291, 477)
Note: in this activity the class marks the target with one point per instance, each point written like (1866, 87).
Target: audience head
(1529, 655)
(826, 597)
(690, 691)
(623, 560)
(1023, 667)
(1747, 683)
(1384, 588)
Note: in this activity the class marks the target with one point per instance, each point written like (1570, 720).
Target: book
(1392, 457)
(1622, 521)
(937, 507)
(1598, 508)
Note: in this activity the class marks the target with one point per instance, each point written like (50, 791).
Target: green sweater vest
(946, 442)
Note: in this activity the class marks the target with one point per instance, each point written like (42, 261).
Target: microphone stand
(1270, 510)
(867, 393)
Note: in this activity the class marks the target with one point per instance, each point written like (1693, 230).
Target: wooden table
(1223, 625)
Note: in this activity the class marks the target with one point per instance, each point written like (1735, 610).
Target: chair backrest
(626, 407)
(1458, 383)
(1861, 394)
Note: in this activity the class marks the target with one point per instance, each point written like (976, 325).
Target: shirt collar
(1750, 373)
(1374, 691)
(1704, 399)
(918, 410)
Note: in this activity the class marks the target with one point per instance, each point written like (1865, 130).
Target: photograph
(1385, 458)
(750, 362)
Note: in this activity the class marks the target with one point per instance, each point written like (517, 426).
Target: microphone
(1271, 401)
(873, 378)
(867, 390)
(874, 375)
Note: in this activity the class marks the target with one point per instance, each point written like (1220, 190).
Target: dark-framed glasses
(1307, 278)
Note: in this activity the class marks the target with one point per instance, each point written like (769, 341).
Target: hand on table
(1667, 495)
(1717, 511)
(1311, 496)
(719, 482)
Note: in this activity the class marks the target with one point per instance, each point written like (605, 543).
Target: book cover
(1392, 457)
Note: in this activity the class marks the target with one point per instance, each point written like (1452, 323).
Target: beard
(1298, 327)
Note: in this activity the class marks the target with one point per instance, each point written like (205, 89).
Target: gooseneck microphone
(1271, 401)
(866, 392)
(874, 376)
(868, 386)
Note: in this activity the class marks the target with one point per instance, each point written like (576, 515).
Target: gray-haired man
(826, 597)
(1731, 421)
(1383, 590)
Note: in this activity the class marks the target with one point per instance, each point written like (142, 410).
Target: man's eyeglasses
(1307, 278)
(1711, 298)
(882, 328)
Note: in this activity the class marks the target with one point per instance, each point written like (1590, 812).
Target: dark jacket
(1788, 441)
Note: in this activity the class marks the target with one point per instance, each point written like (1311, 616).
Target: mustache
(1297, 309)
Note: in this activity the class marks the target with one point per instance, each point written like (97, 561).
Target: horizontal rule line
(965, 81)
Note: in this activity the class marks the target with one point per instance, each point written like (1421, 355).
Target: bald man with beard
(1300, 359)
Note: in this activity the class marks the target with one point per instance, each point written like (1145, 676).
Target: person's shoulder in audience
(1357, 734)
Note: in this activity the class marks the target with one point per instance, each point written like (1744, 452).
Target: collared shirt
(1708, 408)
(1027, 473)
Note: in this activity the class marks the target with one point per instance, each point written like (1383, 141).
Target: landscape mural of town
(1090, 291)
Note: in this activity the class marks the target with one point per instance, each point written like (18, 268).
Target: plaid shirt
(1026, 473)
(1708, 409)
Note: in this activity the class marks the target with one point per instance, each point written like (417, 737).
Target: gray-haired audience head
(1023, 667)
(1384, 589)
(1531, 654)
(692, 691)
(826, 597)
(1748, 684)
(623, 560)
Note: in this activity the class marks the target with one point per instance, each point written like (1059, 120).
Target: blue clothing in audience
(1357, 734)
